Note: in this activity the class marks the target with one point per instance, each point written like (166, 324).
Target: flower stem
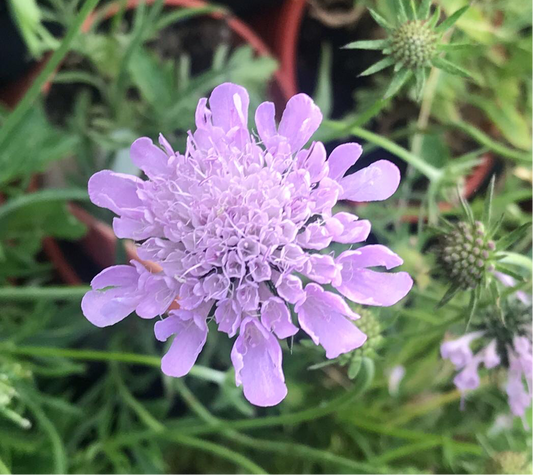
(25, 294)
(431, 172)
(201, 372)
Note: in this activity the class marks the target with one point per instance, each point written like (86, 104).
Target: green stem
(41, 197)
(201, 372)
(203, 445)
(483, 139)
(58, 449)
(431, 172)
(31, 95)
(263, 445)
(4, 469)
(26, 294)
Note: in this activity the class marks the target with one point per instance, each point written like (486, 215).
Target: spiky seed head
(414, 44)
(509, 462)
(466, 254)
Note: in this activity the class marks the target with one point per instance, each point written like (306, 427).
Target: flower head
(412, 46)
(505, 343)
(236, 225)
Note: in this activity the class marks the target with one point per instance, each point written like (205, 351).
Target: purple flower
(519, 371)
(236, 224)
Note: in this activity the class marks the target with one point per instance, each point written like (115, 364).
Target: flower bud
(414, 44)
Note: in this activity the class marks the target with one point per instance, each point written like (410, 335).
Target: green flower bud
(469, 266)
(509, 463)
(414, 44)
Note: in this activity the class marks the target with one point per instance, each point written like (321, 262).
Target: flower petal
(115, 191)
(149, 158)
(369, 287)
(229, 106)
(256, 356)
(276, 316)
(265, 122)
(342, 158)
(322, 315)
(354, 230)
(107, 307)
(301, 118)
(376, 182)
(188, 343)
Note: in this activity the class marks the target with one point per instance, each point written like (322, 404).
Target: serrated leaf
(380, 65)
(509, 239)
(450, 21)
(450, 67)
(367, 44)
(397, 82)
(380, 20)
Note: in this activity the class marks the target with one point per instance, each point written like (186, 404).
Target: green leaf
(384, 63)
(496, 226)
(367, 44)
(355, 367)
(434, 18)
(147, 75)
(508, 117)
(509, 239)
(380, 20)
(466, 207)
(450, 294)
(450, 21)
(402, 13)
(450, 67)
(323, 93)
(472, 306)
(423, 9)
(397, 82)
(505, 269)
(447, 47)
(412, 10)
(487, 205)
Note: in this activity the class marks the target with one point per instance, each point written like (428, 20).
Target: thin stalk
(28, 294)
(431, 172)
(483, 139)
(25, 104)
(203, 445)
(201, 372)
(41, 197)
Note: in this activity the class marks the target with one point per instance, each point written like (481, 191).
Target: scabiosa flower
(505, 343)
(235, 224)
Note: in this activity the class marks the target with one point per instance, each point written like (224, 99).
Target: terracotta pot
(100, 240)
